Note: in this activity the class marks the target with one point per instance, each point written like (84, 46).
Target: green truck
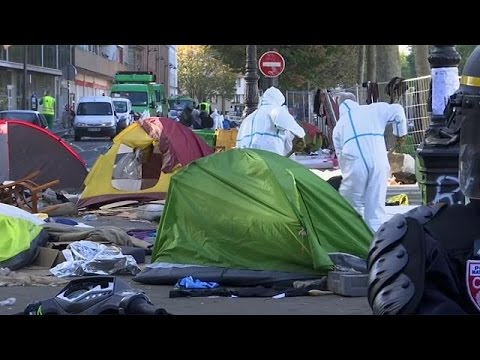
(178, 102)
(142, 90)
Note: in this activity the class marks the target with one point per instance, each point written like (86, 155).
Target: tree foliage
(202, 76)
(407, 62)
(465, 51)
(306, 66)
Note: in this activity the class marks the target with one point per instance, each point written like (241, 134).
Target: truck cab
(138, 88)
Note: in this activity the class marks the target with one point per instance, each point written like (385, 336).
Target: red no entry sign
(271, 64)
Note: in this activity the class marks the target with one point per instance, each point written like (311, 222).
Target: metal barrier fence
(414, 101)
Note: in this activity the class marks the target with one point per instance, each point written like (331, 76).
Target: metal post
(251, 81)
(437, 162)
(25, 74)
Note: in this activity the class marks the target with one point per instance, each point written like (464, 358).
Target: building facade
(159, 59)
(73, 71)
(44, 65)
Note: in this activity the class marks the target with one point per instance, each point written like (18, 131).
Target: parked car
(33, 117)
(123, 108)
(95, 117)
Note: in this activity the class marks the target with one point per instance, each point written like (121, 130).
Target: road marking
(76, 147)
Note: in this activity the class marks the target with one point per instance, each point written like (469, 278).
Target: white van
(95, 116)
(123, 108)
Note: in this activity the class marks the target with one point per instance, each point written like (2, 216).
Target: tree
(371, 68)
(422, 66)
(361, 64)
(388, 62)
(202, 76)
(306, 66)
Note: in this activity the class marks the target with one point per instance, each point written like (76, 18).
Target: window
(25, 116)
(131, 58)
(63, 55)
(15, 53)
(136, 97)
(34, 55)
(94, 108)
(120, 106)
(90, 48)
(120, 54)
(50, 56)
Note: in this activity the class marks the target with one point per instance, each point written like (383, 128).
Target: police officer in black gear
(427, 261)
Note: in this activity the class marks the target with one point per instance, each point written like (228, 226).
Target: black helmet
(468, 121)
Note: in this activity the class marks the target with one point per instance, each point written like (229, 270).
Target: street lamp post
(251, 81)
(437, 166)
(25, 74)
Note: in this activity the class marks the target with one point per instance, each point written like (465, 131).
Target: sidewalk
(59, 130)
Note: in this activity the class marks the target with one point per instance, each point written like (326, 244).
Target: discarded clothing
(65, 233)
(257, 291)
(13, 278)
(147, 235)
(191, 283)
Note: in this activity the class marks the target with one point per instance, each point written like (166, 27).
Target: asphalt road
(89, 148)
(159, 295)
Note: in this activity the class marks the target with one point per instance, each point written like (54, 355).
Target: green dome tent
(253, 211)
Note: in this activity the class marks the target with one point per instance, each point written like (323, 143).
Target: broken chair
(25, 193)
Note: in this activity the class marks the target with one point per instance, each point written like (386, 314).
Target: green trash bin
(208, 135)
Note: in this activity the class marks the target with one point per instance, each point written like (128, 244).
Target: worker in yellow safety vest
(205, 106)
(48, 108)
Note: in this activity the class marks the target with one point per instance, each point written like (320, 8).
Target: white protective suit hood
(271, 127)
(273, 96)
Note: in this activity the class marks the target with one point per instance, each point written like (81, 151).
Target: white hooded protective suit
(217, 124)
(270, 127)
(359, 144)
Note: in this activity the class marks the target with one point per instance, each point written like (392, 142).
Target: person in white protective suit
(359, 143)
(217, 122)
(270, 127)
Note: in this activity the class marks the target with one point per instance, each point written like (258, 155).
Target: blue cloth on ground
(191, 283)
(60, 220)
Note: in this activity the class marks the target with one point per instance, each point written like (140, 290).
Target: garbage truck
(141, 89)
